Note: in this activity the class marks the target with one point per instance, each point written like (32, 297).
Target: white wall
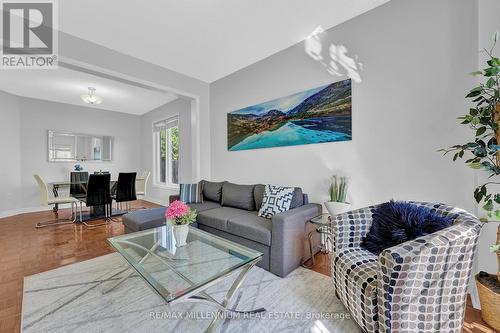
(37, 116)
(416, 55)
(10, 176)
(182, 108)
(23, 138)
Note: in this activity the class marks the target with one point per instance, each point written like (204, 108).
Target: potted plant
(179, 216)
(483, 152)
(338, 194)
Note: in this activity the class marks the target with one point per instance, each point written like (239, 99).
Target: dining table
(97, 211)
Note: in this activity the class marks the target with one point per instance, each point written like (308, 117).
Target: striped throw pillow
(191, 193)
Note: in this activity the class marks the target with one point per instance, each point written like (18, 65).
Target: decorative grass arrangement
(338, 188)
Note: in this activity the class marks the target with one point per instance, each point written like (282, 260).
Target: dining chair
(125, 189)
(77, 181)
(98, 194)
(47, 200)
(141, 183)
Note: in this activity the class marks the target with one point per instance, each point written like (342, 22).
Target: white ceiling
(66, 85)
(205, 39)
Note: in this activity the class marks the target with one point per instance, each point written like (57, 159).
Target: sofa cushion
(252, 227)
(217, 218)
(298, 198)
(238, 196)
(206, 205)
(355, 276)
(212, 191)
(258, 195)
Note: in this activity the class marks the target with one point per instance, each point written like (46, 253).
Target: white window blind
(163, 125)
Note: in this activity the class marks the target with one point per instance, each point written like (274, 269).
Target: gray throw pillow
(298, 198)
(258, 195)
(238, 196)
(212, 191)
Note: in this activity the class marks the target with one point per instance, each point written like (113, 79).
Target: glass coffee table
(179, 274)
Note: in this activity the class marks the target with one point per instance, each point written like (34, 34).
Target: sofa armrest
(428, 273)
(349, 228)
(288, 237)
(172, 198)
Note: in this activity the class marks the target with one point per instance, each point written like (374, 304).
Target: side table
(323, 227)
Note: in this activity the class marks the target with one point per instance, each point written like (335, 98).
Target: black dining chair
(98, 194)
(78, 181)
(125, 189)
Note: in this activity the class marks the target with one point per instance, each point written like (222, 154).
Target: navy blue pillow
(396, 222)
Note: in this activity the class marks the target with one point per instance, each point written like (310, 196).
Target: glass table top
(322, 219)
(174, 272)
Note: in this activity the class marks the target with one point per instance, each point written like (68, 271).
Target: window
(166, 152)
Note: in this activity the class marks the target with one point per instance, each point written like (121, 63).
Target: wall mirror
(74, 147)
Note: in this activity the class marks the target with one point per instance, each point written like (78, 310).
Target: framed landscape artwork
(317, 115)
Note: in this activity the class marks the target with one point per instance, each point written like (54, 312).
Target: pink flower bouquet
(180, 213)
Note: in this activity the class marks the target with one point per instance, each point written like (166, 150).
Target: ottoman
(145, 219)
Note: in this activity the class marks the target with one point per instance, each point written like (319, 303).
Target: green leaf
(497, 198)
(480, 131)
(480, 152)
(494, 62)
(494, 148)
(488, 206)
(491, 82)
(475, 165)
(492, 71)
(475, 92)
(496, 35)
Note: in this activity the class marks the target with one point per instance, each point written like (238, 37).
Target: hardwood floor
(25, 251)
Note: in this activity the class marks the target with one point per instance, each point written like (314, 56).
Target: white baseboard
(155, 200)
(13, 212)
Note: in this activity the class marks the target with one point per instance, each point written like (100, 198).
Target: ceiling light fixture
(91, 97)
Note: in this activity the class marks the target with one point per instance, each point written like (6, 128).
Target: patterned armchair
(417, 286)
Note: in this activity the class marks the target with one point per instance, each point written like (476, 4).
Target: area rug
(69, 299)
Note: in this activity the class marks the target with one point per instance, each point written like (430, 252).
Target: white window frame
(156, 156)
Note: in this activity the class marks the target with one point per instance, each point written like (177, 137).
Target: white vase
(335, 208)
(180, 234)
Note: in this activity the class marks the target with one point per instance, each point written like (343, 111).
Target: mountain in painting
(332, 100)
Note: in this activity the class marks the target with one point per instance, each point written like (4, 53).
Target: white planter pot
(180, 234)
(335, 208)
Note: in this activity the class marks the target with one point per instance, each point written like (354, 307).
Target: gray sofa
(230, 211)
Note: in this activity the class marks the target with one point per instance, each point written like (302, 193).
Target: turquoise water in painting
(292, 134)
